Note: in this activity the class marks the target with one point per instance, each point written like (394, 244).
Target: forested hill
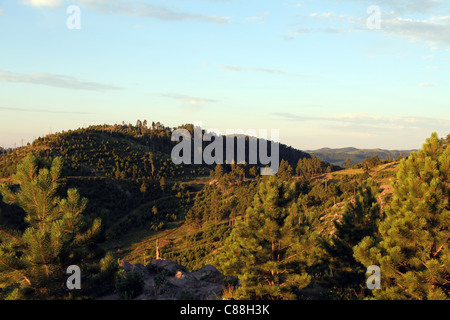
(124, 170)
(339, 156)
(139, 152)
(137, 205)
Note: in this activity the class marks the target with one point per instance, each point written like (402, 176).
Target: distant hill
(339, 156)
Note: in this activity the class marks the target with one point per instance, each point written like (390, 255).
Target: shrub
(129, 284)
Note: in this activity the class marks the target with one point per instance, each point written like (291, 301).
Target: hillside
(121, 151)
(194, 246)
(126, 173)
(339, 156)
(153, 209)
(110, 164)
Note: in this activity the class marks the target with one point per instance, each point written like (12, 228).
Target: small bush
(129, 284)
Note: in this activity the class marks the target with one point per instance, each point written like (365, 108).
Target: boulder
(208, 273)
(177, 284)
(128, 267)
(169, 265)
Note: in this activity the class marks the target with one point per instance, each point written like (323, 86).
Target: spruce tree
(412, 250)
(57, 232)
(269, 246)
(358, 221)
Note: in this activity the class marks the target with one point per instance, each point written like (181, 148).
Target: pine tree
(413, 248)
(152, 164)
(143, 189)
(268, 248)
(358, 221)
(57, 233)
(254, 172)
(285, 171)
(348, 164)
(162, 184)
(215, 206)
(218, 171)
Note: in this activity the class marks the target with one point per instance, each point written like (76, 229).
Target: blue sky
(312, 69)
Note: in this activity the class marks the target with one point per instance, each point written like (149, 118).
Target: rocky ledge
(167, 280)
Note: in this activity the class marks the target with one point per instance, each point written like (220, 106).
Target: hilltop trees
(57, 232)
(309, 167)
(412, 248)
(268, 245)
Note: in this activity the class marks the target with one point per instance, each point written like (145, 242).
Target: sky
(366, 74)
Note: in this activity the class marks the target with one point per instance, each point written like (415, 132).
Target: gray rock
(208, 273)
(168, 265)
(204, 283)
(128, 267)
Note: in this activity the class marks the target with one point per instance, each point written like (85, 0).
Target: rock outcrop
(167, 280)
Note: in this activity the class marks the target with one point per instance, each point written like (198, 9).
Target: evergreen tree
(218, 171)
(348, 164)
(358, 221)
(143, 189)
(254, 172)
(215, 206)
(162, 184)
(57, 233)
(285, 171)
(268, 248)
(413, 248)
(152, 164)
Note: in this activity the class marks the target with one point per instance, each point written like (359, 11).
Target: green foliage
(285, 171)
(339, 157)
(267, 246)
(358, 221)
(129, 284)
(412, 249)
(57, 233)
(308, 167)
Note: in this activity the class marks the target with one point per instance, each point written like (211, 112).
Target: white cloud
(440, 18)
(43, 3)
(261, 18)
(189, 104)
(266, 70)
(406, 6)
(232, 68)
(1, 11)
(187, 99)
(322, 15)
(418, 30)
(366, 123)
(435, 68)
(434, 30)
(146, 10)
(42, 110)
(54, 80)
(426, 85)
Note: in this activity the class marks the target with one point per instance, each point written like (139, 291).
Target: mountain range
(339, 156)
